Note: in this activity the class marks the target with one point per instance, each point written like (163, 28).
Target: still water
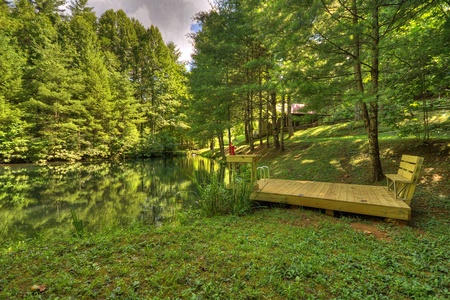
(36, 200)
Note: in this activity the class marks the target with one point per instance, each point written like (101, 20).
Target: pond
(37, 199)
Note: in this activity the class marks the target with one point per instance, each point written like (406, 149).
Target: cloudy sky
(172, 17)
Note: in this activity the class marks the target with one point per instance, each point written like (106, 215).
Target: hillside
(339, 153)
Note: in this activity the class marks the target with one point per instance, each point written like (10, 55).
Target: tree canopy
(374, 61)
(74, 86)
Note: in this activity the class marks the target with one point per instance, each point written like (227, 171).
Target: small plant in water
(241, 202)
(77, 223)
(217, 199)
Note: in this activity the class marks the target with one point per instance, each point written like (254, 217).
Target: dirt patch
(301, 218)
(370, 230)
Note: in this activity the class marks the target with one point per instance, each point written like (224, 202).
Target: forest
(77, 87)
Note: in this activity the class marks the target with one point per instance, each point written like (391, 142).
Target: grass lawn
(272, 253)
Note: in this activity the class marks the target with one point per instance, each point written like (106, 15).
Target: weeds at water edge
(215, 198)
(77, 223)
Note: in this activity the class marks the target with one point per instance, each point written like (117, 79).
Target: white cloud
(172, 17)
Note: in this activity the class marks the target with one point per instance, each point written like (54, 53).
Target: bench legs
(402, 190)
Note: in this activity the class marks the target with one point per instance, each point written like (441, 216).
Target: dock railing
(263, 172)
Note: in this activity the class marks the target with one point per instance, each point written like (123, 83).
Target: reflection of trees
(38, 198)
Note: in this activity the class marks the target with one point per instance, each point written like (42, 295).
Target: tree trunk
(283, 120)
(374, 148)
(247, 139)
(275, 129)
(230, 138)
(369, 114)
(357, 66)
(268, 128)
(289, 117)
(260, 120)
(250, 121)
(221, 144)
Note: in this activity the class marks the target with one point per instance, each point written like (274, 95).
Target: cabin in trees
(304, 118)
(301, 119)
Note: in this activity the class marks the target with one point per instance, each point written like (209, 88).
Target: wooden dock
(352, 198)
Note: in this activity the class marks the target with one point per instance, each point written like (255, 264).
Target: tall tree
(367, 26)
(212, 76)
(46, 94)
(12, 59)
(417, 74)
(13, 135)
(117, 35)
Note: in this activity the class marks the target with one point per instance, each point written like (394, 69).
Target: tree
(14, 141)
(78, 89)
(326, 53)
(211, 77)
(13, 138)
(50, 108)
(351, 35)
(117, 35)
(417, 74)
(235, 66)
(46, 94)
(12, 59)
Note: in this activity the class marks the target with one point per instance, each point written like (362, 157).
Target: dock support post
(329, 212)
(233, 160)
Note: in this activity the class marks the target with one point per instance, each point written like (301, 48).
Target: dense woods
(74, 86)
(375, 61)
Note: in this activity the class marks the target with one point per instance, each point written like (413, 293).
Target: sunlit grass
(273, 254)
(349, 130)
(336, 164)
(307, 161)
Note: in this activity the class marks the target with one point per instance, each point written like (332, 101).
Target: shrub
(215, 198)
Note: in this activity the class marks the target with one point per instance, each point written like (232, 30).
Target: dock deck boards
(352, 198)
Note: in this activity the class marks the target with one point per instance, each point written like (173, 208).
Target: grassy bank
(272, 253)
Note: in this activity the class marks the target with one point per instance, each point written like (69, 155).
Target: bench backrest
(410, 167)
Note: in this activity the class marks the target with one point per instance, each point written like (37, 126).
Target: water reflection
(36, 199)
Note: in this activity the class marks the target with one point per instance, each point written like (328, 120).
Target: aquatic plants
(77, 223)
(216, 198)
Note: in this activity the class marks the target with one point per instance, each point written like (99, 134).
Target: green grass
(272, 253)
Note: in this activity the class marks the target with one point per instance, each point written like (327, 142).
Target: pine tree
(13, 135)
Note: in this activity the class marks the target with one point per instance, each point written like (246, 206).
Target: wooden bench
(404, 182)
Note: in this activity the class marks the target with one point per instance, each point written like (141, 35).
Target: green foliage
(12, 61)
(215, 198)
(80, 87)
(240, 195)
(162, 144)
(74, 87)
(77, 223)
(417, 78)
(351, 59)
(13, 137)
(424, 119)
